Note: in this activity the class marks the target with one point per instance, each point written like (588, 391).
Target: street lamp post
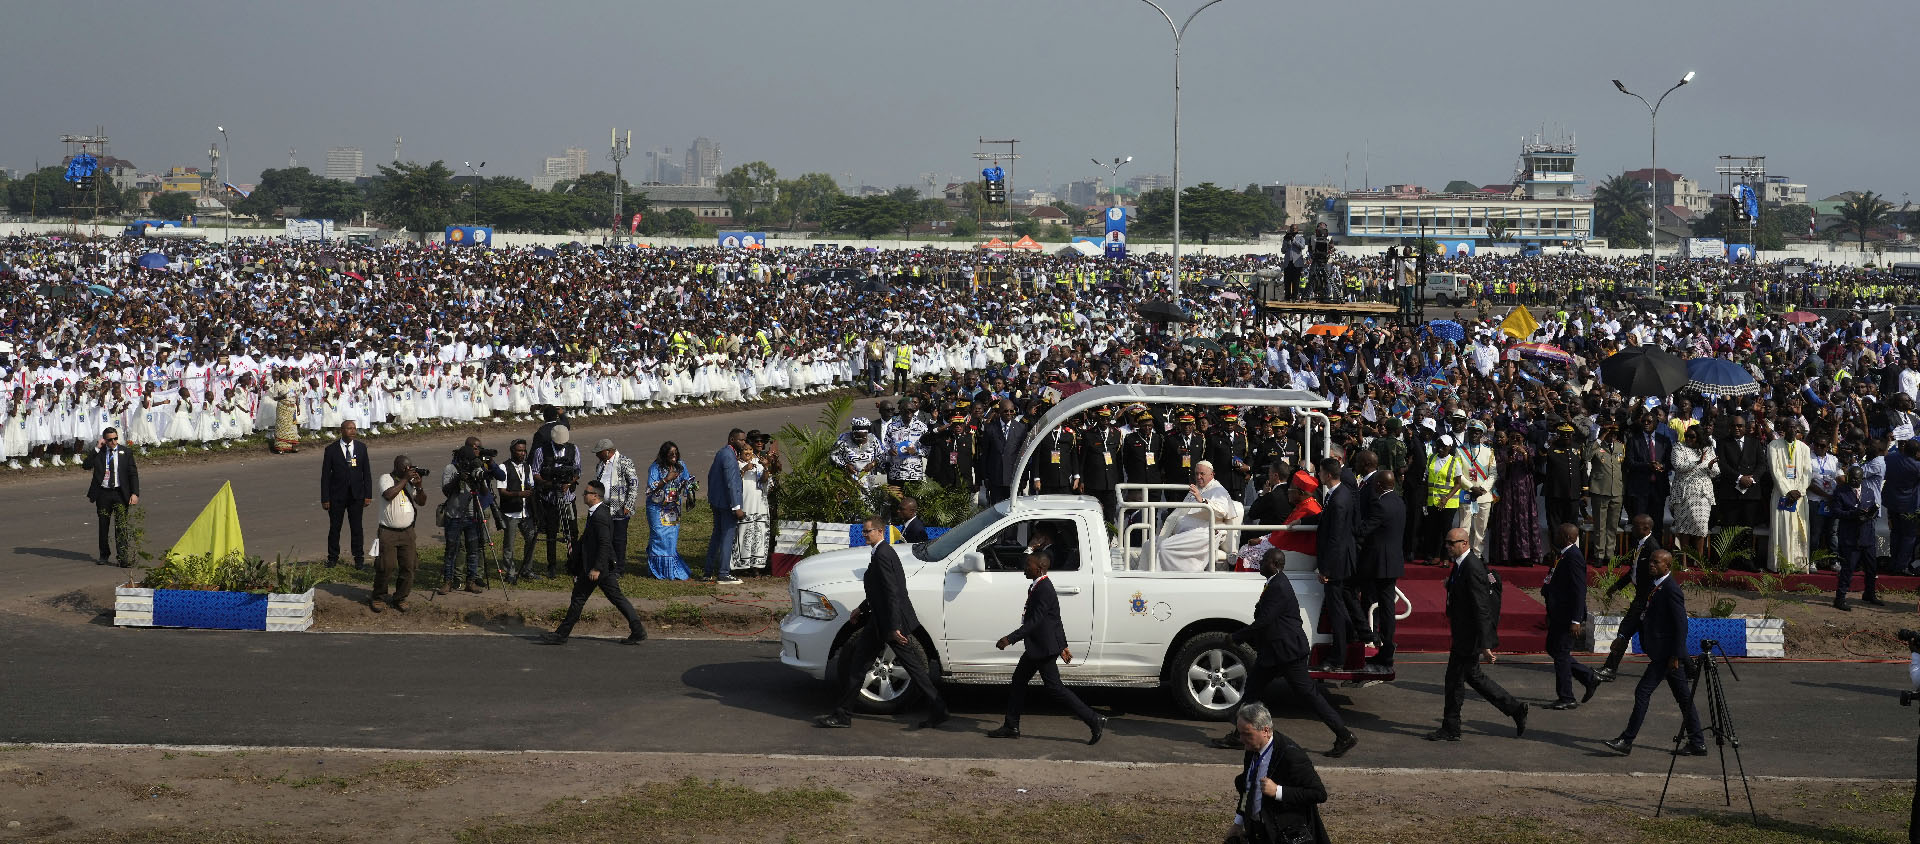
(1113, 170)
(475, 188)
(1179, 32)
(1653, 193)
(226, 223)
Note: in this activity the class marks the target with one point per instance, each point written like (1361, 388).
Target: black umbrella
(1164, 312)
(1644, 371)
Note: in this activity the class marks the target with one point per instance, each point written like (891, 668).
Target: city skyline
(1429, 96)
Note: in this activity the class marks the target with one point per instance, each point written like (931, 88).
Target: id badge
(953, 458)
(1186, 461)
(1056, 458)
(353, 462)
(1107, 456)
(1149, 458)
(1793, 472)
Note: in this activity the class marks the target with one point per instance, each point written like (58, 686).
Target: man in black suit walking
(1565, 594)
(1641, 579)
(1664, 636)
(114, 488)
(1280, 648)
(889, 621)
(999, 448)
(346, 488)
(1473, 613)
(591, 562)
(1383, 561)
(1045, 639)
(1338, 518)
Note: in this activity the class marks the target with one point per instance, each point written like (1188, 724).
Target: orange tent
(1025, 242)
(1328, 330)
(995, 243)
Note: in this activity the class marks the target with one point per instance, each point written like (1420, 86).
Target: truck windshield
(959, 537)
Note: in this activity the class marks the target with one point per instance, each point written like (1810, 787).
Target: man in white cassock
(1185, 542)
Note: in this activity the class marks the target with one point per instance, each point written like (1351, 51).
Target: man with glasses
(114, 488)
(1473, 613)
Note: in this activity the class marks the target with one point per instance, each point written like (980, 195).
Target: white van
(1448, 289)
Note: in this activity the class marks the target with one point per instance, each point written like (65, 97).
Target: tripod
(1719, 723)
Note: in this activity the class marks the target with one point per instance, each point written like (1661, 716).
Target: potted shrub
(232, 592)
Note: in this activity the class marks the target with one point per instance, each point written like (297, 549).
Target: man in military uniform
(1058, 471)
(1565, 482)
(1604, 489)
(1185, 448)
(1227, 450)
(950, 453)
(1100, 462)
(1141, 449)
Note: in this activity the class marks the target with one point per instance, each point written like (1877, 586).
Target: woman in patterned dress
(1513, 534)
(1695, 465)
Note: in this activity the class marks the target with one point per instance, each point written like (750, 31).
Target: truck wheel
(1443, 301)
(885, 688)
(1208, 676)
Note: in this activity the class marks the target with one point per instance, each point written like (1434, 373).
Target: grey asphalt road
(69, 682)
(48, 523)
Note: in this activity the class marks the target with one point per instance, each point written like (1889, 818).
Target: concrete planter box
(1749, 636)
(139, 607)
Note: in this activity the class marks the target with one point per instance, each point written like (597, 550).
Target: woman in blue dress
(670, 490)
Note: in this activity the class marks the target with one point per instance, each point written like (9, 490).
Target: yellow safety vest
(1440, 491)
(903, 358)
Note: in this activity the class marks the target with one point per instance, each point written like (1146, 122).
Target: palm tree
(1864, 212)
(1620, 210)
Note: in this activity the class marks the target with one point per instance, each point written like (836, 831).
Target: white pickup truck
(1128, 622)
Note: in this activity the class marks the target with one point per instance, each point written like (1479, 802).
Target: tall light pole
(1179, 32)
(1113, 170)
(1653, 193)
(620, 148)
(226, 224)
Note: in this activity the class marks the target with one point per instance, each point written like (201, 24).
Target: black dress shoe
(833, 720)
(1342, 744)
(1563, 705)
(1874, 601)
(1619, 745)
(1099, 727)
(1692, 750)
(1841, 605)
(1004, 731)
(125, 564)
(1442, 735)
(1520, 721)
(1592, 687)
(634, 639)
(934, 720)
(1605, 675)
(552, 639)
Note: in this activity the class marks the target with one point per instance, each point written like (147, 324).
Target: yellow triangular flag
(216, 530)
(1520, 324)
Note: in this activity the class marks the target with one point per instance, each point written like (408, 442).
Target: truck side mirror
(972, 561)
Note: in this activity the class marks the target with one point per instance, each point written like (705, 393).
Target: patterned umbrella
(1447, 329)
(1720, 377)
(1800, 317)
(1544, 351)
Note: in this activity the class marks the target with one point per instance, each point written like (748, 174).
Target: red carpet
(1523, 620)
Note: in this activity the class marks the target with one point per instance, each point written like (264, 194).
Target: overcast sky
(886, 90)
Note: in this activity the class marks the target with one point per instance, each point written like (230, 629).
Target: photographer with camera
(556, 471)
(513, 482)
(402, 495)
(464, 482)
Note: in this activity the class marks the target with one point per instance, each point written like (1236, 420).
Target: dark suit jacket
(1855, 523)
(594, 551)
(1301, 791)
(1338, 518)
(1735, 461)
(1642, 579)
(1663, 630)
(1040, 626)
(129, 477)
(1276, 634)
(886, 604)
(914, 530)
(999, 452)
(1637, 474)
(1473, 605)
(1382, 533)
(344, 483)
(723, 480)
(1565, 592)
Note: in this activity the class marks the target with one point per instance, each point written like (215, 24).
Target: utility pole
(620, 148)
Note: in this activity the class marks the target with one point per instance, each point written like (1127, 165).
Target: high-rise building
(703, 164)
(345, 164)
(1150, 181)
(576, 162)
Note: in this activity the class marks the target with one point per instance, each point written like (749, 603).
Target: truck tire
(1442, 301)
(1207, 676)
(885, 688)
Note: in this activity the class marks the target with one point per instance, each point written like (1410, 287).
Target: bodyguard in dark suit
(1000, 440)
(1565, 594)
(1854, 506)
(1280, 649)
(1664, 638)
(1045, 638)
(1473, 613)
(1744, 490)
(1644, 472)
(887, 618)
(346, 488)
(1641, 579)
(591, 562)
(115, 487)
(1280, 792)
(1338, 518)
(1383, 560)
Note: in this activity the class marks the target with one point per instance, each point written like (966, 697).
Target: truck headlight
(815, 605)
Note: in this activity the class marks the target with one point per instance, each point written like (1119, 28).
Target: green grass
(687, 810)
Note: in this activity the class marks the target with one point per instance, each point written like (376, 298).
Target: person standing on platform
(1101, 456)
(115, 487)
(1473, 614)
(1565, 483)
(1664, 637)
(1382, 563)
(1045, 640)
(1854, 507)
(1000, 441)
(1480, 471)
(346, 488)
(1565, 594)
(1604, 489)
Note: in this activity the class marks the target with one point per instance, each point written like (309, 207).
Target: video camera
(472, 468)
(1912, 638)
